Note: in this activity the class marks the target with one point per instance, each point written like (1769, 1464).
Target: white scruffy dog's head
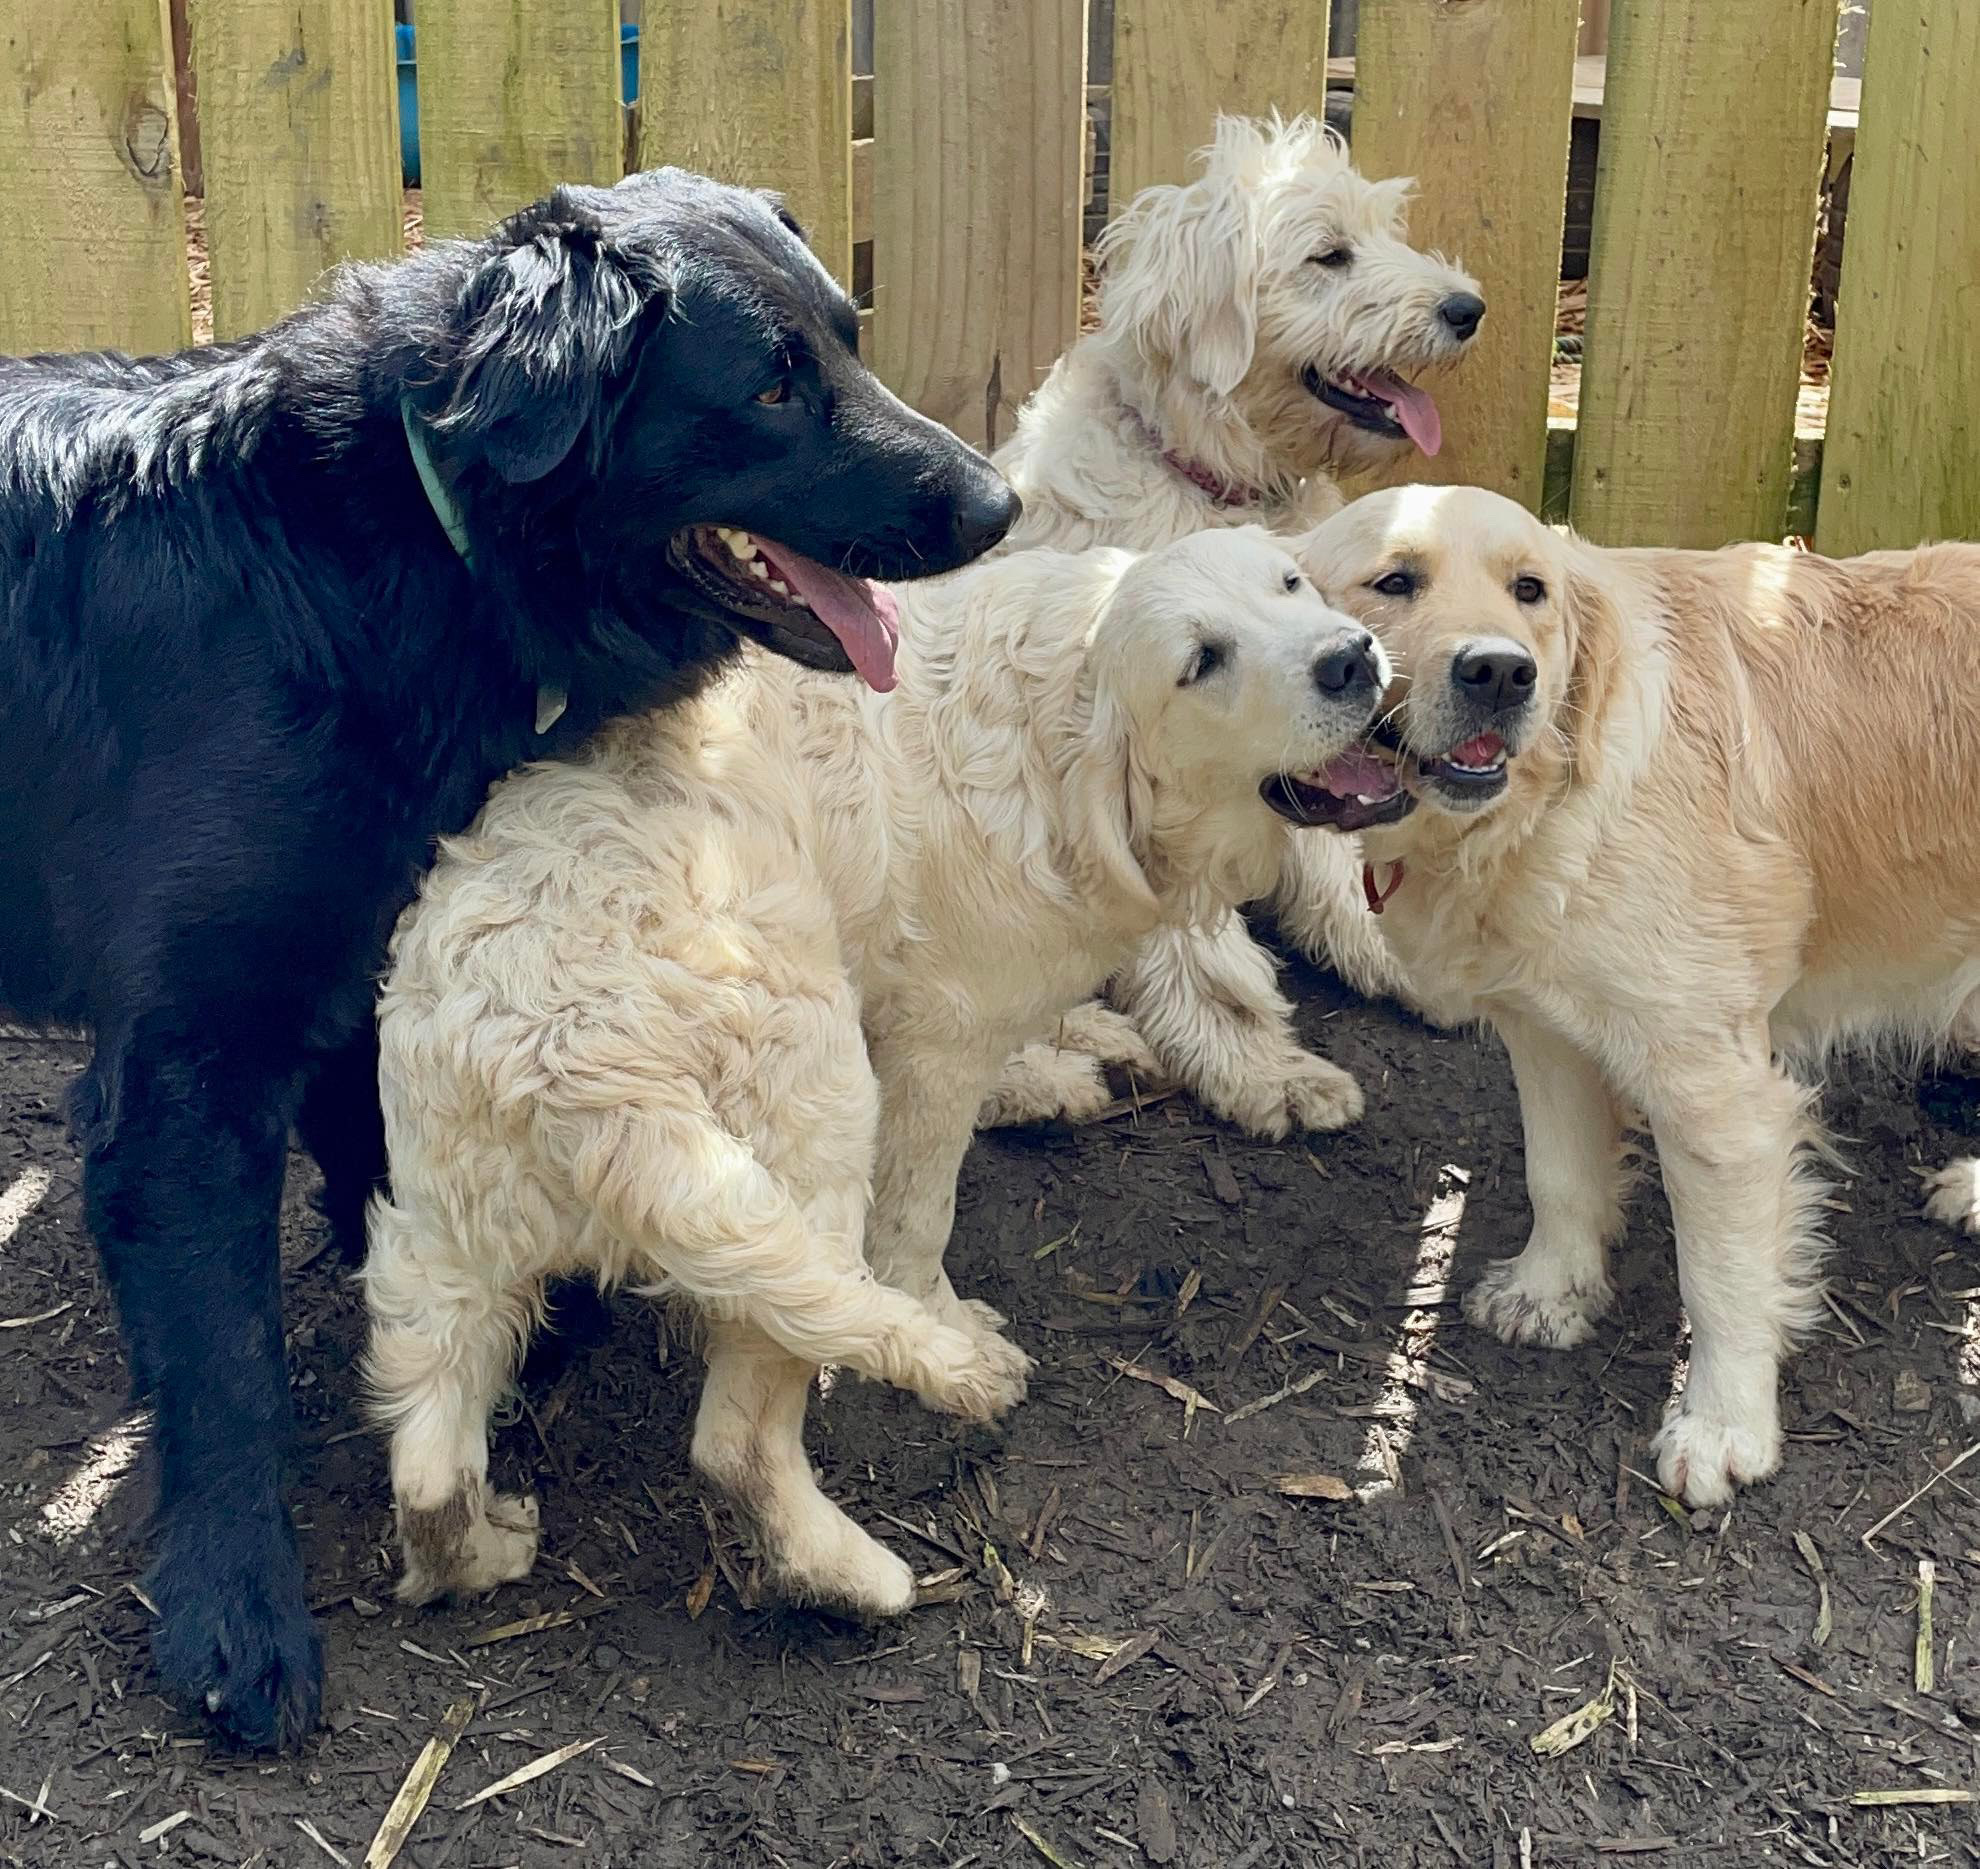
(1266, 319)
(1222, 690)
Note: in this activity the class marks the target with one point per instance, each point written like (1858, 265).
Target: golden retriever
(673, 1013)
(1671, 821)
(1261, 329)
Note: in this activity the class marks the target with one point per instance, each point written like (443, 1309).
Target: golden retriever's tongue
(858, 612)
(1411, 407)
(1358, 773)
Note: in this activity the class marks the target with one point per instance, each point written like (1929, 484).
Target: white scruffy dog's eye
(1334, 259)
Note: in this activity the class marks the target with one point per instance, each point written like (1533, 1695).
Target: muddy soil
(1155, 1632)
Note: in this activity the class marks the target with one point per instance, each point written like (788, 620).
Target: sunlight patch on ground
(1408, 1364)
(105, 1462)
(20, 1198)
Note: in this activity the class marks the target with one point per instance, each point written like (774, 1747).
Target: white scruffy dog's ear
(1181, 265)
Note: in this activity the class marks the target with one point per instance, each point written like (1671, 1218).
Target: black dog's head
(668, 361)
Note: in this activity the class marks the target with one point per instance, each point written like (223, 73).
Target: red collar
(1376, 897)
(1224, 492)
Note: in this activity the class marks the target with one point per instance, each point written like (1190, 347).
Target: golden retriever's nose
(1495, 674)
(1461, 312)
(1350, 665)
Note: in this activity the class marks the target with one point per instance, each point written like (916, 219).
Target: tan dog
(1676, 816)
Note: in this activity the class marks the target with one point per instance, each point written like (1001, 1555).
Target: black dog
(276, 614)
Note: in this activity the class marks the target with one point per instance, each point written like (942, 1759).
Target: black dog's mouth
(1379, 401)
(1352, 792)
(818, 617)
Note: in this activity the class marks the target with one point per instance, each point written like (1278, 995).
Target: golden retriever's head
(1488, 622)
(1271, 312)
(1223, 693)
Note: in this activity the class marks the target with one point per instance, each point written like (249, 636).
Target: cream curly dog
(1259, 329)
(669, 1014)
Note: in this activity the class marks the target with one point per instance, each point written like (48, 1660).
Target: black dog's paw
(234, 1639)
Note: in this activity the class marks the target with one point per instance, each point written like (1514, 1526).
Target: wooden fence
(962, 160)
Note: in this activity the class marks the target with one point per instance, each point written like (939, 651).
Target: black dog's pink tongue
(858, 612)
(1358, 773)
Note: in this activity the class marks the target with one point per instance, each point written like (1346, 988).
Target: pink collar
(1224, 492)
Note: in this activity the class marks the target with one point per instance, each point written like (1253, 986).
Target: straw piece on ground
(1920, 1794)
(323, 1843)
(535, 1625)
(1904, 1506)
(1921, 1658)
(1312, 1486)
(1172, 1386)
(528, 1774)
(1572, 1729)
(1824, 1624)
(1045, 1849)
(405, 1809)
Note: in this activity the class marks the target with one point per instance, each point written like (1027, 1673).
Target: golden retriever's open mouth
(1470, 773)
(1353, 791)
(1381, 402)
(790, 603)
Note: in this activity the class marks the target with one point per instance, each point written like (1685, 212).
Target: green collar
(551, 697)
(437, 495)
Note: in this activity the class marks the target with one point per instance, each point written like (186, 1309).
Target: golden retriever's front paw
(1307, 1093)
(981, 1375)
(1527, 1300)
(833, 1565)
(1043, 1084)
(1952, 1195)
(1703, 1460)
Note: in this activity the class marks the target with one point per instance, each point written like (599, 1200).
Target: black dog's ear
(547, 325)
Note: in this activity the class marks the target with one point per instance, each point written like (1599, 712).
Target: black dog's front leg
(343, 1127)
(184, 1151)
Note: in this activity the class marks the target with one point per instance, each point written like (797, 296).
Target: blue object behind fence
(409, 93)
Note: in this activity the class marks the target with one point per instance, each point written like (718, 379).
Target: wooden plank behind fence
(299, 140)
(92, 221)
(1431, 84)
(1177, 63)
(1699, 265)
(513, 100)
(1901, 462)
(757, 91)
(979, 127)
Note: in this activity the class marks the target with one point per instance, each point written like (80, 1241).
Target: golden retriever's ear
(1110, 798)
(1594, 650)
(1181, 266)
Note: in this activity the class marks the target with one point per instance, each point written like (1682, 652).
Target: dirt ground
(1141, 1643)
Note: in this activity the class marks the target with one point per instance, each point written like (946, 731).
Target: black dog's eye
(1209, 657)
(1334, 258)
(779, 391)
(1293, 580)
(1395, 584)
(1529, 590)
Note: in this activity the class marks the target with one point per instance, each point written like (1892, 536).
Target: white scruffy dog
(1258, 331)
(669, 1014)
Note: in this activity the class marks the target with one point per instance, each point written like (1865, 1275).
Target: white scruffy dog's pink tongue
(857, 611)
(1412, 407)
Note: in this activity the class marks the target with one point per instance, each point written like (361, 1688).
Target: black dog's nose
(1499, 674)
(1351, 665)
(986, 509)
(1462, 311)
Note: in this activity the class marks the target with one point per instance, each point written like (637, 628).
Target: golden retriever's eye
(1529, 590)
(1395, 584)
(779, 391)
(1334, 259)
(1209, 657)
(1293, 580)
